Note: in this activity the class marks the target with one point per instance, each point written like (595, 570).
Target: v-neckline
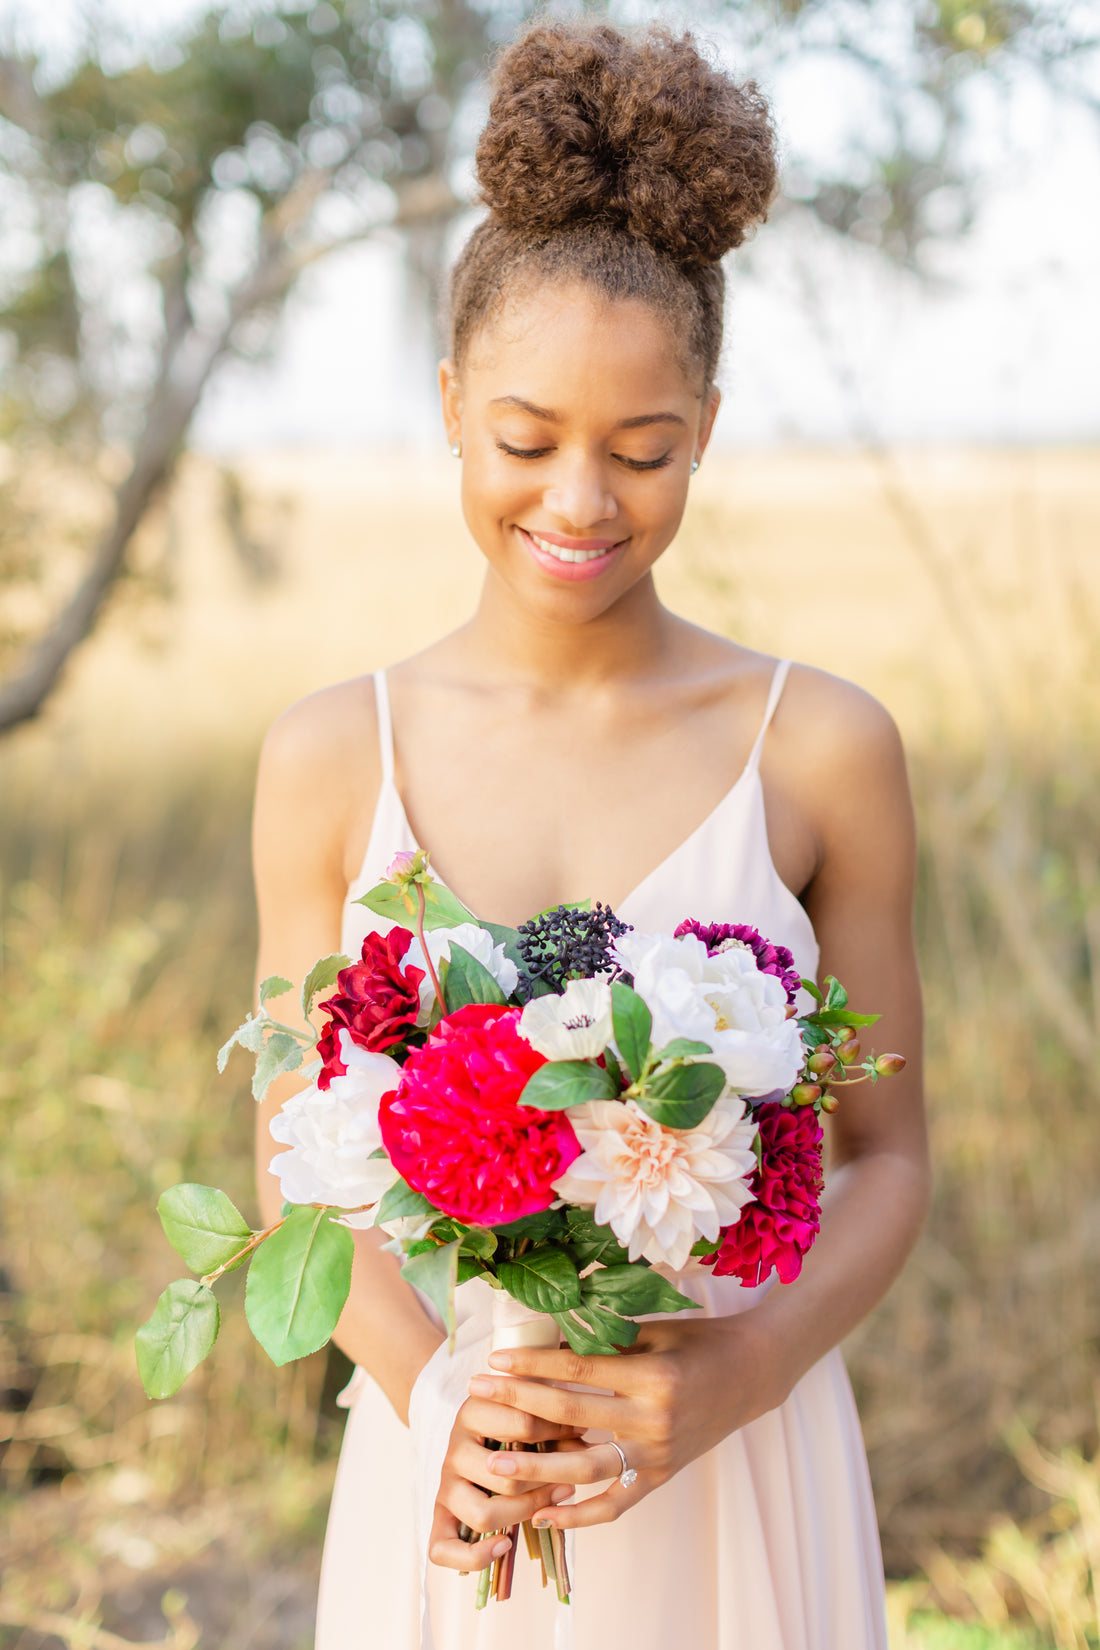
(749, 771)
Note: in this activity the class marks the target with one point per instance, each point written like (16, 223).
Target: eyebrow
(641, 421)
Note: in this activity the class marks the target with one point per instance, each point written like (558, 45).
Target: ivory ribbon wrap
(488, 1320)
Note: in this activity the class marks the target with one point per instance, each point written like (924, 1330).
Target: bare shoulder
(831, 726)
(324, 730)
(320, 770)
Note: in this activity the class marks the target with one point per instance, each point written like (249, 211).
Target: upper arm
(861, 904)
(313, 791)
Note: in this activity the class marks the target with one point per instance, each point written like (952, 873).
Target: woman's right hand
(470, 1472)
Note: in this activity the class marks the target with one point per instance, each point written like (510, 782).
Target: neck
(629, 640)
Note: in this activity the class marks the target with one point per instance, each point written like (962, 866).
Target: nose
(579, 494)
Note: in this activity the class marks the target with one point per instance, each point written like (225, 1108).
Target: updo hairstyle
(624, 161)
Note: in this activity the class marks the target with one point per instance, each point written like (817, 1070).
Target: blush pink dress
(768, 1542)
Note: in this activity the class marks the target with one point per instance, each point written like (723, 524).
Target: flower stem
(253, 1243)
(433, 976)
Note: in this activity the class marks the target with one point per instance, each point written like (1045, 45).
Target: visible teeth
(561, 553)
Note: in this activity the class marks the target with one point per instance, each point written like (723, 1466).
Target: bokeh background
(223, 484)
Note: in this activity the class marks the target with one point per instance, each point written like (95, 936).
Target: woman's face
(578, 427)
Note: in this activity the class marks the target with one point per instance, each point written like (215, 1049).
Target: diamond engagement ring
(628, 1476)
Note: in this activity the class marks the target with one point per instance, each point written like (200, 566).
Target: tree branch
(187, 361)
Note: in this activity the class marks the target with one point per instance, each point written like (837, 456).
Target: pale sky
(1006, 347)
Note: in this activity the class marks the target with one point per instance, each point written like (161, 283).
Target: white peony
(574, 1026)
(659, 1189)
(332, 1133)
(477, 941)
(724, 1001)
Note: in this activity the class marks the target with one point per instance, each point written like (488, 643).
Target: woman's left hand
(678, 1391)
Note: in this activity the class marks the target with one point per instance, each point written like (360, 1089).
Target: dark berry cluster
(567, 944)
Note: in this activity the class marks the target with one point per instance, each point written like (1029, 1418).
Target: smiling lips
(569, 558)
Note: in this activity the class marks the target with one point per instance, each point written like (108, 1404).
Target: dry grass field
(960, 587)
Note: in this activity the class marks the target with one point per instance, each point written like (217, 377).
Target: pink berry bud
(805, 1094)
(401, 865)
(821, 1061)
(848, 1052)
(829, 1102)
(888, 1065)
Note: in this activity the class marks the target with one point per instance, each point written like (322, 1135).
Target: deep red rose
(455, 1130)
(376, 1002)
(770, 959)
(775, 1232)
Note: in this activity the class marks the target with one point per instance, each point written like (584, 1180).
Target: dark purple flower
(770, 959)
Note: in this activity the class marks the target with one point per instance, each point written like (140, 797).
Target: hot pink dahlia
(775, 1232)
(770, 959)
(376, 1002)
(454, 1127)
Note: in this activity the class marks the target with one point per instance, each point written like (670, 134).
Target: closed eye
(629, 463)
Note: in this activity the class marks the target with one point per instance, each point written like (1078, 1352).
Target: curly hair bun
(638, 133)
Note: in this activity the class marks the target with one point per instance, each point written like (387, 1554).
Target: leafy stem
(234, 1260)
(421, 907)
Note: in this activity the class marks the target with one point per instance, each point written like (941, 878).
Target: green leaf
(561, 1083)
(633, 1023)
(508, 938)
(468, 981)
(842, 1017)
(812, 987)
(681, 1096)
(478, 1241)
(835, 994)
(401, 1201)
(544, 1279)
(543, 1224)
(202, 1225)
(441, 909)
(435, 1274)
(298, 1283)
(681, 1048)
(281, 1053)
(469, 1266)
(615, 1069)
(703, 1246)
(181, 1331)
(273, 986)
(320, 977)
(590, 1242)
(595, 1331)
(632, 1289)
(251, 1034)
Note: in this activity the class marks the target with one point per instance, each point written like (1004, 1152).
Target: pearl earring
(456, 450)
(694, 464)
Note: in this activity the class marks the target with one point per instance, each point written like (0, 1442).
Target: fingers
(597, 1509)
(505, 1472)
(613, 1374)
(446, 1549)
(571, 1463)
(574, 1410)
(484, 1419)
(484, 1513)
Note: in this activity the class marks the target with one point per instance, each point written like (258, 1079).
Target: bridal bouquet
(567, 1110)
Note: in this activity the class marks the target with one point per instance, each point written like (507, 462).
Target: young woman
(575, 739)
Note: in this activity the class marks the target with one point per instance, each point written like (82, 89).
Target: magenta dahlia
(770, 959)
(454, 1127)
(775, 1232)
(376, 1002)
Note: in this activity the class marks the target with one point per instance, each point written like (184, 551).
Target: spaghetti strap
(779, 678)
(385, 725)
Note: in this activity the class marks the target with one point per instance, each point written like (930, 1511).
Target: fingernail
(500, 1548)
(503, 1466)
(541, 1523)
(481, 1388)
(563, 1492)
(500, 1360)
